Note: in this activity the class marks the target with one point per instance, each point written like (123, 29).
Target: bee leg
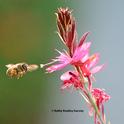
(21, 74)
(18, 76)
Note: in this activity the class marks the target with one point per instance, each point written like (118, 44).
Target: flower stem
(91, 100)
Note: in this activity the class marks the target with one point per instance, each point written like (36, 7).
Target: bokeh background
(27, 34)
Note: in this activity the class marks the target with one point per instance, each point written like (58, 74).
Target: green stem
(90, 96)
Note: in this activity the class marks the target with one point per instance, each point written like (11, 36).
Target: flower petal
(78, 55)
(65, 76)
(66, 85)
(71, 78)
(56, 67)
(81, 52)
(100, 95)
(97, 68)
(92, 61)
(86, 45)
(63, 57)
(83, 38)
(86, 56)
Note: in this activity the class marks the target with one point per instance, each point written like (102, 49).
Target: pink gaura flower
(79, 58)
(77, 55)
(64, 59)
(87, 65)
(71, 78)
(100, 97)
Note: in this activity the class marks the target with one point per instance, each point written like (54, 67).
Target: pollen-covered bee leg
(19, 75)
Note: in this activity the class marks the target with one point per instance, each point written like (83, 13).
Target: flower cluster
(85, 65)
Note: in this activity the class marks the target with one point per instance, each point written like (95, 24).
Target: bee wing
(9, 65)
(32, 67)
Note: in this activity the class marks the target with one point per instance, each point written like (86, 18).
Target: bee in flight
(19, 69)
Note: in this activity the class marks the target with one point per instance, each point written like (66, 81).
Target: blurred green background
(27, 34)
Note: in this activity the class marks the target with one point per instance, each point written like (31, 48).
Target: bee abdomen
(12, 72)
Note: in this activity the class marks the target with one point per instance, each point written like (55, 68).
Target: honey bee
(19, 69)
